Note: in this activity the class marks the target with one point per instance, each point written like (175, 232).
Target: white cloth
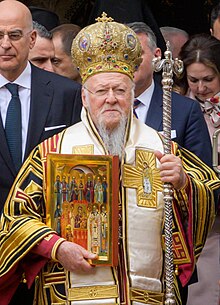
(145, 99)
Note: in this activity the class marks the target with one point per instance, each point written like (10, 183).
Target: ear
(33, 38)
(83, 95)
(157, 52)
(211, 32)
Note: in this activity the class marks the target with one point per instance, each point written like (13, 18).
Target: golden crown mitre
(106, 46)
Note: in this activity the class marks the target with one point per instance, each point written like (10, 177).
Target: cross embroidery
(144, 177)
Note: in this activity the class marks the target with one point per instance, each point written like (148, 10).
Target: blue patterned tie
(13, 126)
(135, 105)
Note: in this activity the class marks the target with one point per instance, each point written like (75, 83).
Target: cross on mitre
(145, 177)
(104, 18)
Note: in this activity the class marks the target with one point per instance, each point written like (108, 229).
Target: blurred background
(189, 15)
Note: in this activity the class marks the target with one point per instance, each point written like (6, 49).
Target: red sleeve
(30, 265)
(8, 284)
(38, 257)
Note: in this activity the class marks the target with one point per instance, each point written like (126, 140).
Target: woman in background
(201, 81)
(201, 77)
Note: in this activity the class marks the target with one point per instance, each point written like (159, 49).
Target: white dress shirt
(24, 90)
(145, 99)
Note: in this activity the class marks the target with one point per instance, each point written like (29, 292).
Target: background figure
(78, 217)
(105, 192)
(88, 190)
(57, 217)
(42, 53)
(73, 189)
(215, 21)
(65, 189)
(58, 191)
(63, 36)
(94, 228)
(81, 190)
(47, 102)
(201, 77)
(201, 80)
(104, 230)
(188, 125)
(177, 37)
(45, 17)
(98, 191)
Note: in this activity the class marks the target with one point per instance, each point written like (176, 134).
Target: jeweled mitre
(106, 46)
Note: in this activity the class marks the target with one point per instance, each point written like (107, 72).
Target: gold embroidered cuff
(54, 250)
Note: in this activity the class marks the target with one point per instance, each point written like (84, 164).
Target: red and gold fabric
(27, 244)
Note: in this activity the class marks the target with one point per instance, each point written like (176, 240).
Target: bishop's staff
(169, 67)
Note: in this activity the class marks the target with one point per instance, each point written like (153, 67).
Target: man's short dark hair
(41, 30)
(67, 32)
(141, 27)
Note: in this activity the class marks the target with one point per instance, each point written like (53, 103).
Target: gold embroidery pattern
(180, 252)
(144, 177)
(146, 297)
(92, 292)
(53, 277)
(83, 150)
(48, 237)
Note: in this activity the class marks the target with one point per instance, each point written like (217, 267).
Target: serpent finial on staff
(169, 67)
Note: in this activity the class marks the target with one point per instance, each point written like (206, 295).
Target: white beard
(113, 139)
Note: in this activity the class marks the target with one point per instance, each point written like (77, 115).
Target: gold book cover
(82, 202)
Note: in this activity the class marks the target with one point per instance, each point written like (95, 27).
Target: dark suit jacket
(187, 120)
(55, 101)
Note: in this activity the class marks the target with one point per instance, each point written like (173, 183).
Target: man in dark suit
(55, 103)
(188, 125)
(48, 102)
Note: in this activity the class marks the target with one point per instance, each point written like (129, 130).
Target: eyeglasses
(13, 35)
(117, 92)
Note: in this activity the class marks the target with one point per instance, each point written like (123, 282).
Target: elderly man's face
(108, 97)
